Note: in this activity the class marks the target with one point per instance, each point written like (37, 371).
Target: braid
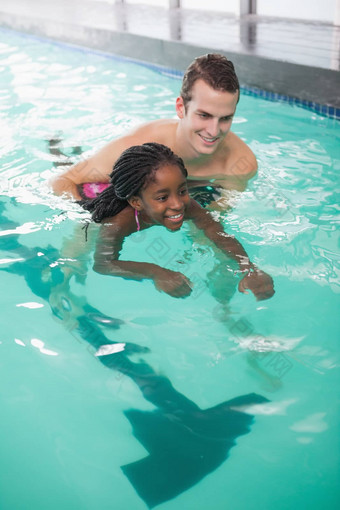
(104, 205)
(133, 170)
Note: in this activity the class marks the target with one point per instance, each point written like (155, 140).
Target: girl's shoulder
(194, 209)
(123, 223)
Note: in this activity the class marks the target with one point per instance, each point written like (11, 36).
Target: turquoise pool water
(80, 435)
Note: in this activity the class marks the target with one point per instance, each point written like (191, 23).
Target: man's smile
(209, 140)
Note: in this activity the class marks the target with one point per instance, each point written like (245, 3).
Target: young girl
(148, 187)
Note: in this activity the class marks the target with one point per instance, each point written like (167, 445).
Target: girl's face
(165, 199)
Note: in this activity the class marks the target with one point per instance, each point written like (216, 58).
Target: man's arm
(98, 167)
(94, 169)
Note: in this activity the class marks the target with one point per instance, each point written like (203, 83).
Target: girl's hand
(260, 283)
(173, 283)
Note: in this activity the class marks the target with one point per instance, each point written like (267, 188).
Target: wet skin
(201, 137)
(165, 201)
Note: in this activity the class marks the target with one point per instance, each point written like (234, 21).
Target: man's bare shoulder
(98, 167)
(240, 158)
(234, 165)
(160, 131)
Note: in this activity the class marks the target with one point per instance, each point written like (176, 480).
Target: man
(212, 154)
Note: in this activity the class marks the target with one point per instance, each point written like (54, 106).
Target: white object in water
(104, 350)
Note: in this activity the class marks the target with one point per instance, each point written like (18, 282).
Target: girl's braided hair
(132, 172)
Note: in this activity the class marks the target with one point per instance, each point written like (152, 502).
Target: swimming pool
(76, 434)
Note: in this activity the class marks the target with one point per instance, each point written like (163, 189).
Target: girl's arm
(259, 282)
(106, 259)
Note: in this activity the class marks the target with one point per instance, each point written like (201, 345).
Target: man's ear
(180, 108)
(136, 203)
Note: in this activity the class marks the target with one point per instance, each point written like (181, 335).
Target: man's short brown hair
(213, 68)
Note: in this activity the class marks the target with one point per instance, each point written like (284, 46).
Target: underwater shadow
(185, 443)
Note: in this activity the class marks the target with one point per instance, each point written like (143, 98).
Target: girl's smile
(165, 199)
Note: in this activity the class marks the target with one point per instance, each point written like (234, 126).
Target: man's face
(207, 118)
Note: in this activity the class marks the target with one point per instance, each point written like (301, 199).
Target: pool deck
(285, 57)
